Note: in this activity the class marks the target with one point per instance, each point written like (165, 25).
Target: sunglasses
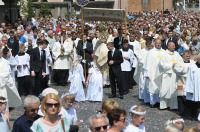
(99, 128)
(123, 120)
(51, 105)
(33, 110)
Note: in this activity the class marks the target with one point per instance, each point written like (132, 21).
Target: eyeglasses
(99, 128)
(123, 120)
(33, 110)
(51, 105)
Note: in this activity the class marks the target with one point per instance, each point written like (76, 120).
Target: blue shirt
(22, 39)
(23, 124)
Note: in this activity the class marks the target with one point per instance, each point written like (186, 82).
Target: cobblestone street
(155, 119)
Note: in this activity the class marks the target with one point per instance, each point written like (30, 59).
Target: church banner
(103, 14)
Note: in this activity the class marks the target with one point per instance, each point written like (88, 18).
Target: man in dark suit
(114, 61)
(38, 67)
(118, 40)
(169, 38)
(13, 44)
(87, 47)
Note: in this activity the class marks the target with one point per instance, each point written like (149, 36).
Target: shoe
(152, 106)
(121, 96)
(125, 92)
(112, 96)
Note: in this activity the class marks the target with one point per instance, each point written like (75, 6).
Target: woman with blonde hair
(51, 121)
(137, 119)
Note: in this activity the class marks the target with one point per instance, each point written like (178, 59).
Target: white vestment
(101, 57)
(127, 64)
(136, 49)
(12, 62)
(193, 84)
(7, 85)
(95, 86)
(48, 60)
(139, 75)
(62, 62)
(150, 66)
(76, 78)
(23, 62)
(166, 79)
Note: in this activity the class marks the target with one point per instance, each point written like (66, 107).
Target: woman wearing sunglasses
(51, 122)
(117, 120)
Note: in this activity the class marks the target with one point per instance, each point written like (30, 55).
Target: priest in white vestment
(150, 66)
(192, 88)
(61, 52)
(139, 72)
(101, 57)
(166, 77)
(7, 85)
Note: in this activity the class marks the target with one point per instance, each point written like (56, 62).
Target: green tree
(27, 8)
(44, 9)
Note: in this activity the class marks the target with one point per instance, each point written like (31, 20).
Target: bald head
(171, 46)
(158, 44)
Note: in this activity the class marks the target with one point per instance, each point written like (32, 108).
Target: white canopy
(104, 14)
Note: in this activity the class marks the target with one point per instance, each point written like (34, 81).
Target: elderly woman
(51, 121)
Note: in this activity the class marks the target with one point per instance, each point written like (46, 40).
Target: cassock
(126, 68)
(166, 79)
(192, 89)
(62, 63)
(150, 70)
(23, 73)
(101, 57)
(139, 75)
(7, 85)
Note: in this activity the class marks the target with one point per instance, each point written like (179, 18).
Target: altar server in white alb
(139, 72)
(150, 67)
(23, 71)
(94, 84)
(167, 77)
(76, 80)
(126, 66)
(192, 88)
(11, 60)
(8, 89)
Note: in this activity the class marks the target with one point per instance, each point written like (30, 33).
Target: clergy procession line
(158, 51)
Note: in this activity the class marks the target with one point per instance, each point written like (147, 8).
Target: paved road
(155, 119)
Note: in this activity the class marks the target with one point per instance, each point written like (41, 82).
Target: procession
(111, 67)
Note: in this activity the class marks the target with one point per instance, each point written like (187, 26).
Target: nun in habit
(76, 78)
(94, 84)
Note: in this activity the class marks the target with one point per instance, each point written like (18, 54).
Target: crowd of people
(157, 51)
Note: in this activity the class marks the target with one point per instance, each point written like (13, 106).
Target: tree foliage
(27, 8)
(44, 9)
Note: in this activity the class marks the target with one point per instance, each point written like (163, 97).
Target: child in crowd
(23, 73)
(137, 119)
(4, 123)
(107, 106)
(76, 78)
(178, 122)
(94, 84)
(67, 102)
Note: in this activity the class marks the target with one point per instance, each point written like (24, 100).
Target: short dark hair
(45, 42)
(39, 42)
(110, 44)
(114, 115)
(12, 32)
